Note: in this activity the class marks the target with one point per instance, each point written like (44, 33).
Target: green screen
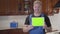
(37, 21)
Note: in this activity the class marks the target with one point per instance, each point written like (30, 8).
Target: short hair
(37, 2)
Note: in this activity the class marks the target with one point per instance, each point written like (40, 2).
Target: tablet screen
(37, 21)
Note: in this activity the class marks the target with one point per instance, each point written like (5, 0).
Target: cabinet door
(25, 33)
(50, 6)
(8, 7)
(20, 8)
(3, 7)
(54, 2)
(12, 7)
(13, 31)
(20, 31)
(3, 31)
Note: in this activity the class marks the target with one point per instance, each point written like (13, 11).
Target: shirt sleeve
(47, 21)
(27, 21)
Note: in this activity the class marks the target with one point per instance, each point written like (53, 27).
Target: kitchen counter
(12, 31)
(20, 31)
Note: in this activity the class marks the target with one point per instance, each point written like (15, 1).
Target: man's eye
(36, 7)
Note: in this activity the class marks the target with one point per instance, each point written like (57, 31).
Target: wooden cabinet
(12, 31)
(12, 7)
(17, 7)
(3, 7)
(3, 31)
(50, 6)
(8, 7)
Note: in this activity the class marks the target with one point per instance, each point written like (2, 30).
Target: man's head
(37, 6)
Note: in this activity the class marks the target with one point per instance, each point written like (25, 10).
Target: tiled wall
(6, 20)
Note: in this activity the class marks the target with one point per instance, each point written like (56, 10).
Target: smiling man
(28, 27)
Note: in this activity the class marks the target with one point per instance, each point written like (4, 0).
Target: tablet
(37, 21)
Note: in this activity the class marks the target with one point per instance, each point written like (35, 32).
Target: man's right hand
(30, 27)
(26, 28)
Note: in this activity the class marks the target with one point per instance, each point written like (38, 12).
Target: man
(37, 6)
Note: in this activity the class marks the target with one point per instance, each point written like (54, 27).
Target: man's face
(37, 8)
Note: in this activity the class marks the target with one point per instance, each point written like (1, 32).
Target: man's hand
(30, 27)
(49, 29)
(26, 28)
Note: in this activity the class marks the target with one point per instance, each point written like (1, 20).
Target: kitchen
(10, 11)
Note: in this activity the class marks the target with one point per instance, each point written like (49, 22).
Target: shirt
(47, 20)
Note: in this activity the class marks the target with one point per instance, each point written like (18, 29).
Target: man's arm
(49, 29)
(27, 25)
(48, 24)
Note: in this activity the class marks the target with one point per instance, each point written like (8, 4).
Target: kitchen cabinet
(25, 7)
(50, 6)
(3, 31)
(3, 7)
(8, 7)
(12, 31)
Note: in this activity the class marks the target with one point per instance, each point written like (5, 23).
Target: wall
(55, 21)
(5, 21)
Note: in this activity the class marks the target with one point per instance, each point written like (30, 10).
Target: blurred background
(18, 10)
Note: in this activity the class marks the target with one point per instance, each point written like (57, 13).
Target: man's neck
(37, 14)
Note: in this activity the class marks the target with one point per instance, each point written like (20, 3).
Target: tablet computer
(37, 21)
